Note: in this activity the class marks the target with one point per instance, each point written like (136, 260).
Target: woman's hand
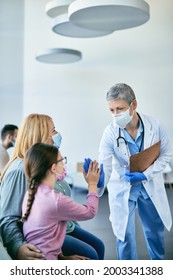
(92, 176)
(29, 252)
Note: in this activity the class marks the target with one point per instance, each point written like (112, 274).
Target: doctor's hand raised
(92, 176)
(102, 174)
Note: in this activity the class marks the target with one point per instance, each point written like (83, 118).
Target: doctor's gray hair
(121, 91)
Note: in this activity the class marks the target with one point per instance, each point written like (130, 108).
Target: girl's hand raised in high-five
(92, 176)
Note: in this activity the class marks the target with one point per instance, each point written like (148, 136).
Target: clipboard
(142, 160)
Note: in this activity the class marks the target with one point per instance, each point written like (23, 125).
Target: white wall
(74, 94)
(11, 61)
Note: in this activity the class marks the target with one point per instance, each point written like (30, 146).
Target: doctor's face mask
(123, 118)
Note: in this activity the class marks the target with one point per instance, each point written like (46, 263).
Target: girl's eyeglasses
(64, 160)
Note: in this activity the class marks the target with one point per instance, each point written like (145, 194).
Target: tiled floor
(101, 227)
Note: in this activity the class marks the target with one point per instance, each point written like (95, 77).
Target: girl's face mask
(59, 176)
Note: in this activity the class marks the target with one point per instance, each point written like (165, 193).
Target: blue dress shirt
(134, 146)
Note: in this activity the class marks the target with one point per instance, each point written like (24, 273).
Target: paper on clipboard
(142, 160)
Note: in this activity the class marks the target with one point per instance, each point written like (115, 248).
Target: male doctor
(130, 133)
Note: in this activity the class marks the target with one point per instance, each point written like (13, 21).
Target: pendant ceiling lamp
(58, 56)
(62, 26)
(108, 14)
(57, 7)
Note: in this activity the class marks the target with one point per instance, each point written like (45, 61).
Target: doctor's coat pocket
(121, 157)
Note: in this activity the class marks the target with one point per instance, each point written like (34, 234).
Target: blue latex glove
(102, 174)
(86, 164)
(132, 177)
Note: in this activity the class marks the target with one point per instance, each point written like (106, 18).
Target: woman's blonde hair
(34, 129)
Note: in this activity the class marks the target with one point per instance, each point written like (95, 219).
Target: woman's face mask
(59, 176)
(57, 138)
(123, 118)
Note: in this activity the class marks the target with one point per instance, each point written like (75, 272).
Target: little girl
(45, 211)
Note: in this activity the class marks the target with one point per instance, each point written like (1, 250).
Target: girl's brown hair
(38, 162)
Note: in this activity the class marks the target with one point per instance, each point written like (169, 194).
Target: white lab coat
(114, 159)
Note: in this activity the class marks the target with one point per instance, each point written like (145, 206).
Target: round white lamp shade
(108, 14)
(58, 55)
(57, 7)
(62, 26)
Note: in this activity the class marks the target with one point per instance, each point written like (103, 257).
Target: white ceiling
(146, 41)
